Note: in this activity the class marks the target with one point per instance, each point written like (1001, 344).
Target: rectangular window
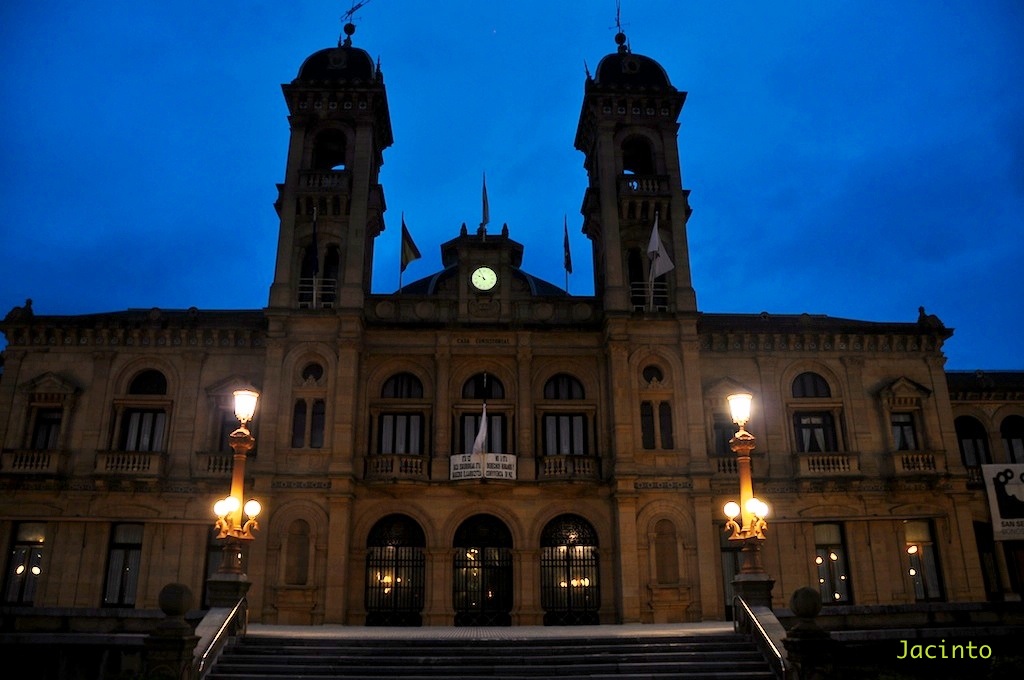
(123, 560)
(299, 424)
(316, 424)
(924, 561)
(46, 428)
(143, 429)
(903, 431)
(830, 559)
(496, 441)
(665, 425)
(24, 563)
(228, 424)
(565, 434)
(400, 434)
(815, 432)
(723, 430)
(647, 425)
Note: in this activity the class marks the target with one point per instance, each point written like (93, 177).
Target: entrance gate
(569, 572)
(482, 574)
(395, 572)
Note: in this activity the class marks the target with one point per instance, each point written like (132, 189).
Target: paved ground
(629, 630)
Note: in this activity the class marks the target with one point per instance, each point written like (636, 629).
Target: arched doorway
(482, 577)
(569, 572)
(395, 572)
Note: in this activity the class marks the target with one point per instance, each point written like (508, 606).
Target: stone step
(702, 657)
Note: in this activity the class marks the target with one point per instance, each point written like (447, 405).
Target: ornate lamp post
(229, 510)
(752, 583)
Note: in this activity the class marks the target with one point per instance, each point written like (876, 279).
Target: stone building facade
(606, 464)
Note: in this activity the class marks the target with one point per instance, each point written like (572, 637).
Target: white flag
(480, 443)
(660, 262)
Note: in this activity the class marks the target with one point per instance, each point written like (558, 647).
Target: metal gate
(395, 573)
(569, 572)
(482, 575)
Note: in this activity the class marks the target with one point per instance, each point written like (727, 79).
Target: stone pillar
(169, 648)
(809, 647)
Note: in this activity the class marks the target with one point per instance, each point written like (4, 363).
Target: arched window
(481, 388)
(395, 572)
(401, 420)
(565, 426)
(637, 157)
(666, 553)
(309, 410)
(814, 422)
(329, 150)
(810, 385)
(148, 382)
(569, 572)
(482, 587)
(296, 554)
(402, 386)
(1012, 432)
(143, 418)
(973, 441)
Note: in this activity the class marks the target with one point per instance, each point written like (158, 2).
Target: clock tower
(627, 131)
(331, 205)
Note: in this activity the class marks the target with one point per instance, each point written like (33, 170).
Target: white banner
(482, 466)
(1005, 487)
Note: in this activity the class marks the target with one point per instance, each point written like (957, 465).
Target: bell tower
(331, 205)
(627, 131)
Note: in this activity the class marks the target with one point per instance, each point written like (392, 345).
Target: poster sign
(1005, 487)
(483, 466)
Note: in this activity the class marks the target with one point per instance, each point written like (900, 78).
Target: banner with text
(483, 466)
(1005, 487)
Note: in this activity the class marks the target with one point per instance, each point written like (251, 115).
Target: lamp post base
(755, 589)
(225, 590)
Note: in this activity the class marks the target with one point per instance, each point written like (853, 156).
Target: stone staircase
(697, 656)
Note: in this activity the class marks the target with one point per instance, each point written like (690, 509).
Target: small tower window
(329, 150)
(637, 157)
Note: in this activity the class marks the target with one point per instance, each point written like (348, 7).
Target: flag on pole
(312, 263)
(486, 218)
(565, 245)
(409, 250)
(480, 443)
(660, 262)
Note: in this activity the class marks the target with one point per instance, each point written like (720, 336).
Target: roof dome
(342, 63)
(338, 64)
(625, 69)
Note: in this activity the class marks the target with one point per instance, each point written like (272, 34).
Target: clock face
(483, 278)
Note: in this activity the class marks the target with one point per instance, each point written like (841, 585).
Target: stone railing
(569, 467)
(915, 463)
(324, 180)
(25, 462)
(390, 466)
(831, 464)
(212, 464)
(130, 464)
(726, 465)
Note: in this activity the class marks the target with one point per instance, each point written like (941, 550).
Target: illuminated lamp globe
(245, 404)
(252, 508)
(739, 406)
(757, 507)
(220, 508)
(732, 509)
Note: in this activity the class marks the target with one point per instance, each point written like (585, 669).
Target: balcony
(393, 467)
(916, 463)
(726, 465)
(130, 464)
(324, 181)
(569, 468)
(212, 465)
(643, 185)
(830, 464)
(50, 462)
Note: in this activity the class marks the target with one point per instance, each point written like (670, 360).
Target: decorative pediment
(904, 393)
(715, 394)
(49, 387)
(224, 389)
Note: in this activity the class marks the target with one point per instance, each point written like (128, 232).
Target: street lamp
(751, 510)
(229, 510)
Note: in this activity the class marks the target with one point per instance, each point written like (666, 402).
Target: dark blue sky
(850, 159)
